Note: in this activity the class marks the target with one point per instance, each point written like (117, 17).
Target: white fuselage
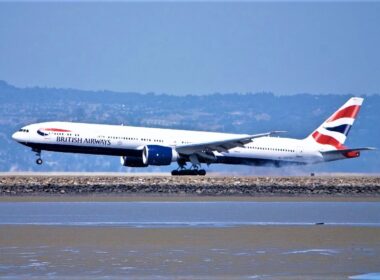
(128, 140)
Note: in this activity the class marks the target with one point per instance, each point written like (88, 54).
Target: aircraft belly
(256, 160)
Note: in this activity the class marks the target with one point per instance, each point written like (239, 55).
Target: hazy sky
(193, 47)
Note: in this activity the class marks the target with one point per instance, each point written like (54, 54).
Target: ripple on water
(313, 251)
(261, 252)
(100, 252)
(127, 268)
(368, 276)
(71, 250)
(38, 264)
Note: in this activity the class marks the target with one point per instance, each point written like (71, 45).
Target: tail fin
(334, 130)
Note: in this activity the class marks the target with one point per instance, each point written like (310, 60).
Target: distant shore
(157, 186)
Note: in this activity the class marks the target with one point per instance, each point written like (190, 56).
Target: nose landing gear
(39, 160)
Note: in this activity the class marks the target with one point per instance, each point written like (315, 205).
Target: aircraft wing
(221, 145)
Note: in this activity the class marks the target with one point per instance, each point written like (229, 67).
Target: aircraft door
(299, 152)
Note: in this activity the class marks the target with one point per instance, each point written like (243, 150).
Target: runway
(187, 186)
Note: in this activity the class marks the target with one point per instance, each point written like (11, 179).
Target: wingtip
(366, 149)
(278, 132)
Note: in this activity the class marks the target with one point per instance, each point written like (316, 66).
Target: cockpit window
(42, 133)
(24, 130)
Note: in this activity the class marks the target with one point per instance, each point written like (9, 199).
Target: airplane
(142, 147)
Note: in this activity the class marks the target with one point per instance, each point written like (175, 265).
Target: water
(189, 240)
(189, 214)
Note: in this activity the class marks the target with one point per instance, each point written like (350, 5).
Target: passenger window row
(270, 149)
(65, 134)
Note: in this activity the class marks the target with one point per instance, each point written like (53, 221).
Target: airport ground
(109, 187)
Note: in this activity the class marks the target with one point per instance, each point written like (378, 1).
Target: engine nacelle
(132, 161)
(158, 155)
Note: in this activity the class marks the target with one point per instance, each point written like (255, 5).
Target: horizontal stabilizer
(349, 150)
(344, 153)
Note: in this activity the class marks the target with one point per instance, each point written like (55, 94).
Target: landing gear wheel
(201, 172)
(175, 173)
(38, 154)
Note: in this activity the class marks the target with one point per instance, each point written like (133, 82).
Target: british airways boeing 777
(141, 147)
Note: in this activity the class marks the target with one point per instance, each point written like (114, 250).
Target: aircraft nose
(16, 136)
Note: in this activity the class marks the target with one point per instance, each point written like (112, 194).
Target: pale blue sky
(193, 47)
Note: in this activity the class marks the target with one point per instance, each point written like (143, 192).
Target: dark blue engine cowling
(158, 155)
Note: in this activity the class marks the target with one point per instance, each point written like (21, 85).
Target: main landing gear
(39, 160)
(192, 171)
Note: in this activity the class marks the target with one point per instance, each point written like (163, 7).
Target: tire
(39, 161)
(175, 173)
(201, 172)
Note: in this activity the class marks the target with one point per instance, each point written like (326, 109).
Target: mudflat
(270, 252)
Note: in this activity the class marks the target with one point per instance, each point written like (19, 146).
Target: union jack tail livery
(333, 132)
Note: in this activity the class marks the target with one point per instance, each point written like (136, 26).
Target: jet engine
(132, 161)
(158, 155)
